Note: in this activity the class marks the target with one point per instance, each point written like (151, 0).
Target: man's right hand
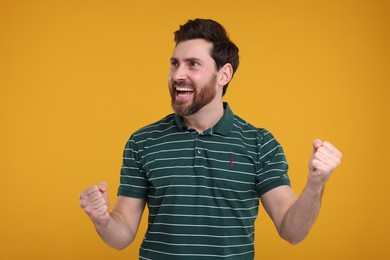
(94, 200)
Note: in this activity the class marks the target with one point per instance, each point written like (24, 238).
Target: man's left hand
(323, 162)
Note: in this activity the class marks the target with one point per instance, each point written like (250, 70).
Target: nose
(178, 73)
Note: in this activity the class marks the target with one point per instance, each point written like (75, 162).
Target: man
(202, 170)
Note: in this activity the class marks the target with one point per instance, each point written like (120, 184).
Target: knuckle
(338, 161)
(87, 210)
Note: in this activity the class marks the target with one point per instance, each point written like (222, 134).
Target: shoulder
(153, 131)
(247, 129)
(155, 128)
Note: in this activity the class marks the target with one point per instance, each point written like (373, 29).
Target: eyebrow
(173, 59)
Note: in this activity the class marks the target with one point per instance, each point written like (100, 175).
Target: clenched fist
(323, 162)
(95, 203)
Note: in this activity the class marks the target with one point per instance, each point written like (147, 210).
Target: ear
(225, 74)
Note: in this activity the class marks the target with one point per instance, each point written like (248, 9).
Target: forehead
(197, 48)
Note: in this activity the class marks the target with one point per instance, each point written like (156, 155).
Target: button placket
(197, 149)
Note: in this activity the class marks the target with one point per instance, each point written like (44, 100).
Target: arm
(294, 217)
(119, 227)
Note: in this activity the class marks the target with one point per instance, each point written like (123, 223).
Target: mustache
(183, 83)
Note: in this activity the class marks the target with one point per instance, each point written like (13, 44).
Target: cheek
(170, 82)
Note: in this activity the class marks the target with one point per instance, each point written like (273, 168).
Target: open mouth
(183, 91)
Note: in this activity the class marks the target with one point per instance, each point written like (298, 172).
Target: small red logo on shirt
(231, 162)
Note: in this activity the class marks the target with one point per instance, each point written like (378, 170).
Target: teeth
(184, 89)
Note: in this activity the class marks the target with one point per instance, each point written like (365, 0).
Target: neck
(205, 118)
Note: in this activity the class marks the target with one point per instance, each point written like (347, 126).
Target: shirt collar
(223, 127)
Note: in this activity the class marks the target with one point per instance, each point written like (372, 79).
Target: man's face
(192, 77)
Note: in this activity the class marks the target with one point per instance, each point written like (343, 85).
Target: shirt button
(199, 151)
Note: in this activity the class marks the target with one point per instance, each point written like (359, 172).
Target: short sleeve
(273, 170)
(132, 178)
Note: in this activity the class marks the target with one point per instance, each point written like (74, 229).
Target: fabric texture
(202, 189)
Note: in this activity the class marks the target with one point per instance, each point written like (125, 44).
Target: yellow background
(78, 77)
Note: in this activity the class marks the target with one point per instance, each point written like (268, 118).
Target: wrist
(315, 189)
(103, 224)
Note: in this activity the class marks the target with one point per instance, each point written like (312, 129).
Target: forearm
(301, 216)
(119, 227)
(116, 234)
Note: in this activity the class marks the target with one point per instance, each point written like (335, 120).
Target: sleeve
(132, 177)
(273, 166)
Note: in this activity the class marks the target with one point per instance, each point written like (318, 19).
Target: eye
(193, 63)
(174, 63)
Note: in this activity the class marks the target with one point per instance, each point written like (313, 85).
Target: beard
(201, 96)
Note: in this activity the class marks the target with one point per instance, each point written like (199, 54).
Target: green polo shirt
(202, 189)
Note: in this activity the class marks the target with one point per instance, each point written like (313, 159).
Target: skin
(191, 62)
(192, 68)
